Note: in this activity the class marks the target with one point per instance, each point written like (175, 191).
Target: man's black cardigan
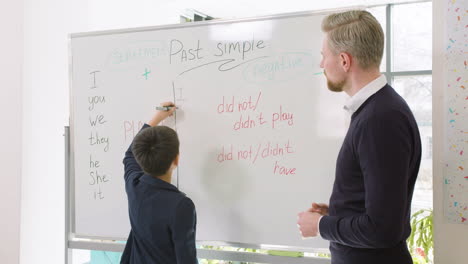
(376, 170)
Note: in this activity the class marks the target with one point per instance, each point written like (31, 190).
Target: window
(407, 63)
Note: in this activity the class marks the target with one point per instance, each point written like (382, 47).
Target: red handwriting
(225, 154)
(282, 170)
(131, 128)
(281, 116)
(226, 107)
(232, 104)
(276, 150)
(244, 154)
(260, 119)
(229, 105)
(244, 122)
(277, 118)
(254, 152)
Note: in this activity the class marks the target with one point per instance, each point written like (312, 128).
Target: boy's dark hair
(155, 148)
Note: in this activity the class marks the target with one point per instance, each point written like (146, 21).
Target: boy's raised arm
(131, 167)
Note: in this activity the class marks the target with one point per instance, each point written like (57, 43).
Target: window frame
(389, 73)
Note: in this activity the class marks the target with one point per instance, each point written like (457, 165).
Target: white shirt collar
(353, 103)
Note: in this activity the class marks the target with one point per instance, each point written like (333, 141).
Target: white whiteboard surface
(250, 164)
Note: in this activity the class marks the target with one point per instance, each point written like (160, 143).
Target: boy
(162, 219)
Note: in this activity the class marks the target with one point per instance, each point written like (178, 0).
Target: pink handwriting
(281, 116)
(254, 152)
(282, 170)
(229, 105)
(244, 122)
(131, 128)
(223, 156)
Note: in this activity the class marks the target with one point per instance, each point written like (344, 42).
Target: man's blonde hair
(358, 33)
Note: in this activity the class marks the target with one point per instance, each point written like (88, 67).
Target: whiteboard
(259, 130)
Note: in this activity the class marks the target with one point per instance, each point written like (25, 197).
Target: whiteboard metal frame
(68, 208)
(209, 23)
(74, 241)
(209, 254)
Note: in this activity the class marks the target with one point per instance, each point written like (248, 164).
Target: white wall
(11, 26)
(450, 240)
(45, 112)
(45, 86)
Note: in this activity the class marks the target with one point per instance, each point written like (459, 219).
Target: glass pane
(417, 91)
(105, 257)
(412, 37)
(380, 14)
(95, 257)
(79, 256)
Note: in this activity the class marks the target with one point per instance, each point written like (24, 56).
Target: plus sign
(146, 73)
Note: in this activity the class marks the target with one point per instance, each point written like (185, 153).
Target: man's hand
(308, 223)
(319, 208)
(161, 115)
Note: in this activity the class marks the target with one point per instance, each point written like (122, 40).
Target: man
(368, 220)
(163, 220)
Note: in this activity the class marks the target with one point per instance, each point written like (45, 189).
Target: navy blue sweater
(376, 170)
(163, 219)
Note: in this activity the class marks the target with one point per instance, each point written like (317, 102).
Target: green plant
(323, 255)
(227, 248)
(286, 253)
(421, 241)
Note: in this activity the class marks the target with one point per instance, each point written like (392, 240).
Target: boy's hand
(161, 115)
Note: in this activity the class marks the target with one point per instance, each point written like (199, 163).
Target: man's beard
(335, 86)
